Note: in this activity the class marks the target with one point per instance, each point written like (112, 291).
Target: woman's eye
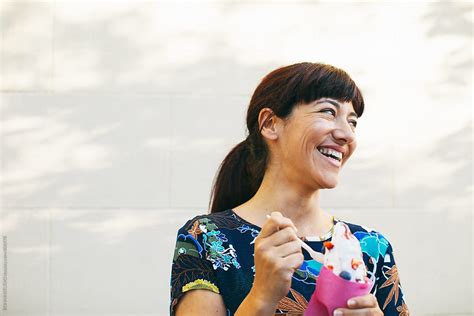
(329, 110)
(333, 113)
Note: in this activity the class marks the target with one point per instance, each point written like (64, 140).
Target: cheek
(353, 145)
(352, 148)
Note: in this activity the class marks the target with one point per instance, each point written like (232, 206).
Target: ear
(268, 123)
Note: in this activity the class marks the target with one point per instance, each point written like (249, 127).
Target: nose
(344, 132)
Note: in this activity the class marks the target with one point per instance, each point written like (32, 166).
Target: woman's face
(308, 135)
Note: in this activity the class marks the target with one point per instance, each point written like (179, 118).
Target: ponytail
(239, 175)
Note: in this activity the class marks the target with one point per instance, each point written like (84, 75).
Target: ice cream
(342, 276)
(343, 255)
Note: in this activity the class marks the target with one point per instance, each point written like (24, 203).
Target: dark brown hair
(241, 173)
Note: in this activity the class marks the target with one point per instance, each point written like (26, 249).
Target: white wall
(116, 114)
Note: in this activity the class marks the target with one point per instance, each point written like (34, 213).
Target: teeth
(331, 152)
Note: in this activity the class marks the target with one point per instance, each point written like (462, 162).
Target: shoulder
(372, 242)
(210, 222)
(209, 237)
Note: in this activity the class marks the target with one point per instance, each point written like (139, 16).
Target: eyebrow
(336, 104)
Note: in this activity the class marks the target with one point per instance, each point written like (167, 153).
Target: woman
(244, 258)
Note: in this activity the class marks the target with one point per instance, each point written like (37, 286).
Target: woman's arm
(201, 302)
(253, 306)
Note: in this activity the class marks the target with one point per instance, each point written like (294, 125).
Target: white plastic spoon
(314, 254)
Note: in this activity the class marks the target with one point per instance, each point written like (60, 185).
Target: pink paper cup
(333, 292)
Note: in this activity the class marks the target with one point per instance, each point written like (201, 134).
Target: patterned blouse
(215, 252)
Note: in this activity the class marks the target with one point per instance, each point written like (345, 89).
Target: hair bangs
(324, 81)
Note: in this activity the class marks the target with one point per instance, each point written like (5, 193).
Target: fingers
(358, 312)
(283, 236)
(279, 245)
(294, 261)
(274, 223)
(288, 248)
(281, 220)
(360, 305)
(285, 267)
(368, 300)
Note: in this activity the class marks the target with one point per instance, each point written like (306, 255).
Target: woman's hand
(361, 305)
(277, 256)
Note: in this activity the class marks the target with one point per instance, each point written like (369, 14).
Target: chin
(332, 182)
(330, 186)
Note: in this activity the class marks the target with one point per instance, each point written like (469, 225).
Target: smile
(331, 153)
(333, 160)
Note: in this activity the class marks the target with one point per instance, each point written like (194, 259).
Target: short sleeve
(190, 269)
(388, 289)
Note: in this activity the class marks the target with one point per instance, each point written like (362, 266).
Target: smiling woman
(239, 260)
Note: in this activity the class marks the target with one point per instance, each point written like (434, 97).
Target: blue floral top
(215, 252)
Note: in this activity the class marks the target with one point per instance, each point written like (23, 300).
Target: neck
(300, 205)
